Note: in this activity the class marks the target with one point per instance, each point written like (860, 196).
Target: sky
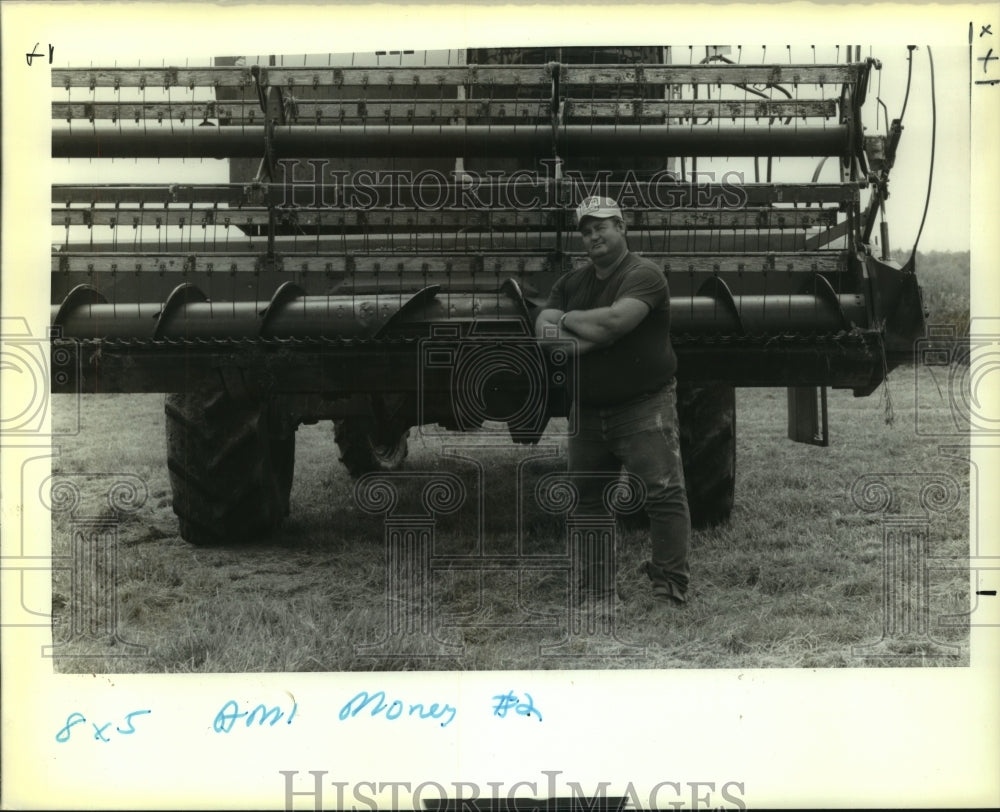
(947, 224)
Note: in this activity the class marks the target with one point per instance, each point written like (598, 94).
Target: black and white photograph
(494, 385)
(436, 358)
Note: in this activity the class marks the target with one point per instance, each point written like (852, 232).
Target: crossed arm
(598, 327)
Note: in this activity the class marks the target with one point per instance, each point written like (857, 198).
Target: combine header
(386, 234)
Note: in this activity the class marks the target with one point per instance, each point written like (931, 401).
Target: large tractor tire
(231, 465)
(707, 416)
(366, 445)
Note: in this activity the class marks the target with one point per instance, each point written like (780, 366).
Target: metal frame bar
(671, 195)
(509, 262)
(434, 76)
(425, 140)
(356, 110)
(189, 216)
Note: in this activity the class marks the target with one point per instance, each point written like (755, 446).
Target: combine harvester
(391, 224)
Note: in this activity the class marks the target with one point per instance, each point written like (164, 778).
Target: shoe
(664, 594)
(664, 589)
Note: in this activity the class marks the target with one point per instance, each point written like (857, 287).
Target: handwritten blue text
(396, 708)
(510, 702)
(230, 714)
(101, 732)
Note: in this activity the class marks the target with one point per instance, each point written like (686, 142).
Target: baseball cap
(601, 207)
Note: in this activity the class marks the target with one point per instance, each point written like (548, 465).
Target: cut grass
(794, 580)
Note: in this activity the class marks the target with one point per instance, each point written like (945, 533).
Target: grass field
(794, 580)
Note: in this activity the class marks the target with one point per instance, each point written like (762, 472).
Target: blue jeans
(643, 436)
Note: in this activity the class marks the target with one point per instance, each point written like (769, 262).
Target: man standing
(617, 309)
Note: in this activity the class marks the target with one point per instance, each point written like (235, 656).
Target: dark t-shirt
(641, 361)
